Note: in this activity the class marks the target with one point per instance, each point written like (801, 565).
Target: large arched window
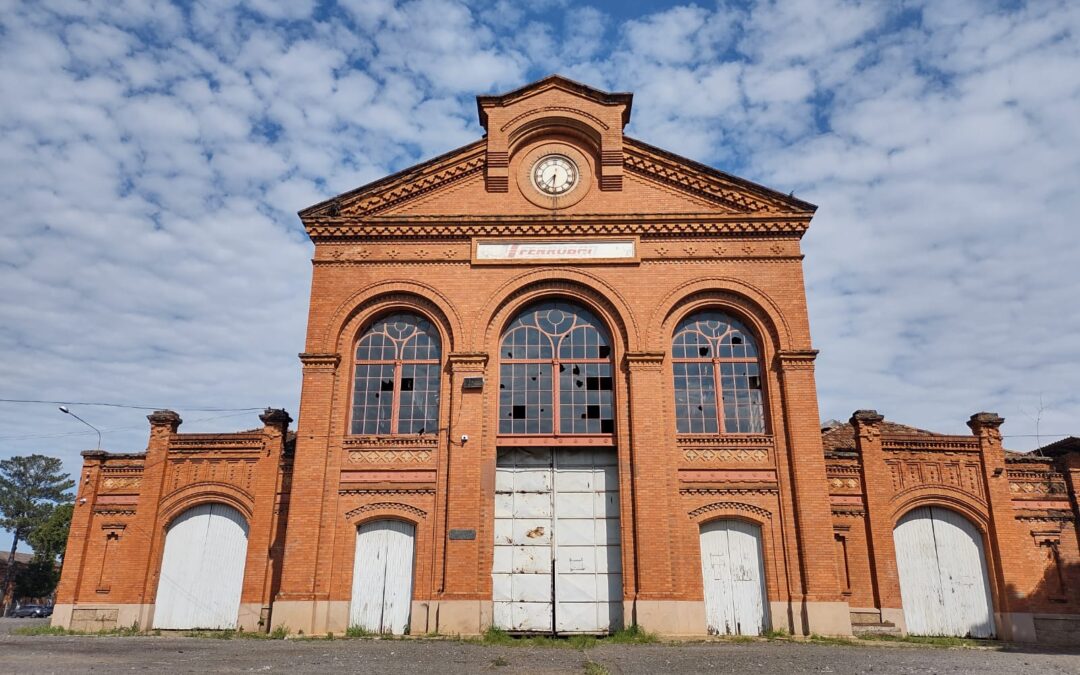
(555, 338)
(717, 376)
(396, 388)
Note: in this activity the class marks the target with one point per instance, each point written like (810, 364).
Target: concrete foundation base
(104, 616)
(1015, 626)
(670, 617)
(826, 618)
(310, 617)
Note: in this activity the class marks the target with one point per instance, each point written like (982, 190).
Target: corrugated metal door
(734, 577)
(202, 569)
(557, 562)
(943, 581)
(383, 577)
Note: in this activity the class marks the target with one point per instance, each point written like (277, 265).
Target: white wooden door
(202, 569)
(734, 577)
(557, 561)
(943, 581)
(383, 577)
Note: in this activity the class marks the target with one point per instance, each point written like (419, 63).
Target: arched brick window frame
(556, 373)
(396, 377)
(718, 375)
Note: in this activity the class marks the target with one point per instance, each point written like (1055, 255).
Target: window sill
(399, 441)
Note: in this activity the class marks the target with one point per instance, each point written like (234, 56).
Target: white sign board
(569, 249)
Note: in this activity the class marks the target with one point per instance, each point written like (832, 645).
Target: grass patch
(928, 640)
(499, 637)
(633, 635)
(358, 632)
(594, 668)
(778, 634)
(127, 631)
(829, 640)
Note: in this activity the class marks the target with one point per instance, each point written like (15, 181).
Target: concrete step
(880, 628)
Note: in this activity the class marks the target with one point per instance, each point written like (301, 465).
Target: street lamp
(64, 409)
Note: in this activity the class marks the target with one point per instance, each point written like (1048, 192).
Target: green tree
(30, 488)
(49, 540)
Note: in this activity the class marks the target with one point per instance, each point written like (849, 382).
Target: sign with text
(594, 250)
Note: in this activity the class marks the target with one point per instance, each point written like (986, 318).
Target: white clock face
(555, 175)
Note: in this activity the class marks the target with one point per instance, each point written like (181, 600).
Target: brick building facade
(561, 380)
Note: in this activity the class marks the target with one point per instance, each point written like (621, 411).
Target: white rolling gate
(383, 577)
(557, 563)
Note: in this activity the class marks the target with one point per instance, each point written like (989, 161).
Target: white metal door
(943, 581)
(202, 569)
(383, 577)
(734, 577)
(557, 563)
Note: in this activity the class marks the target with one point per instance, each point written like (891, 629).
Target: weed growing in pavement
(778, 634)
(929, 640)
(594, 668)
(499, 662)
(633, 635)
(280, 632)
(829, 640)
(356, 631)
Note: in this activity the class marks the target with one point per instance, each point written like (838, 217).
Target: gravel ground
(63, 654)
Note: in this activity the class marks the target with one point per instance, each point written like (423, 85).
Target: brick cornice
(444, 227)
(317, 361)
(644, 361)
(797, 359)
(468, 362)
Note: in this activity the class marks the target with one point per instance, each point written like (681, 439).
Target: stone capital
(636, 361)
(866, 417)
(165, 418)
(276, 417)
(320, 361)
(468, 362)
(986, 425)
(796, 359)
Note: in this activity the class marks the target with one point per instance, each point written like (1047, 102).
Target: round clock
(555, 175)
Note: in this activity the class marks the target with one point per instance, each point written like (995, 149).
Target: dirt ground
(79, 654)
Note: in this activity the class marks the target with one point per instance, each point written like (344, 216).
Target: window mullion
(556, 386)
(395, 405)
(720, 420)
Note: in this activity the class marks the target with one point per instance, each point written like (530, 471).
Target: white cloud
(153, 158)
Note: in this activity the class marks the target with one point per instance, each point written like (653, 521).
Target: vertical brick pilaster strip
(651, 481)
(79, 534)
(303, 547)
(146, 528)
(813, 513)
(264, 491)
(1006, 541)
(461, 491)
(877, 494)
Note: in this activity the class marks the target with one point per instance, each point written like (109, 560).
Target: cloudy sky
(153, 156)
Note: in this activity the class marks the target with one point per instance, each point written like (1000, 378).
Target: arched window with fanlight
(396, 381)
(717, 376)
(555, 373)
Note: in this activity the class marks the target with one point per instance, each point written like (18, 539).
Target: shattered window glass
(717, 376)
(555, 373)
(396, 380)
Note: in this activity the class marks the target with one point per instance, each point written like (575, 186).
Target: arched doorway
(733, 574)
(383, 577)
(943, 581)
(557, 563)
(202, 569)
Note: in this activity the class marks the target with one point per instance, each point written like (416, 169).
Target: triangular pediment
(491, 177)
(658, 182)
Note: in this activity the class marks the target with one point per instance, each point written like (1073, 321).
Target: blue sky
(153, 156)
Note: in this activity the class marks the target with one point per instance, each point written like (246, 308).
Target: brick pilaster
(303, 547)
(877, 493)
(146, 527)
(652, 482)
(813, 513)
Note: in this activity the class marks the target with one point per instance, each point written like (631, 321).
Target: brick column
(651, 487)
(294, 606)
(255, 600)
(464, 487)
(826, 612)
(877, 493)
(78, 538)
(1006, 541)
(145, 528)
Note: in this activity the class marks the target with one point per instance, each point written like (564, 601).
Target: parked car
(32, 611)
